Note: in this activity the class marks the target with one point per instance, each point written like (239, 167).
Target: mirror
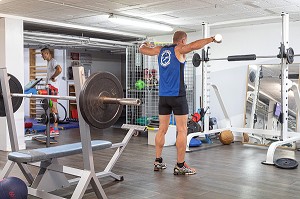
(263, 101)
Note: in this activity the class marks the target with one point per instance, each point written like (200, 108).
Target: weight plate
(290, 55)
(15, 87)
(252, 76)
(45, 104)
(95, 113)
(53, 118)
(44, 119)
(286, 163)
(193, 127)
(196, 60)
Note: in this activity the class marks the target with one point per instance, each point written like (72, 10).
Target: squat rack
(286, 56)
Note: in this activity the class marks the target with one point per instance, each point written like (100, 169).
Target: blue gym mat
(39, 127)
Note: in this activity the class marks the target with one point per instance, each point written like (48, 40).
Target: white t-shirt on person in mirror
(51, 65)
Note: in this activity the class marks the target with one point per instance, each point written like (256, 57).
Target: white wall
(11, 57)
(230, 77)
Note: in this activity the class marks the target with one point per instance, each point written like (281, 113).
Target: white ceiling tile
(189, 16)
(90, 19)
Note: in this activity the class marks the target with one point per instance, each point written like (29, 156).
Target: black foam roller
(241, 57)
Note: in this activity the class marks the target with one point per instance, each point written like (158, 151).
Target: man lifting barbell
(172, 94)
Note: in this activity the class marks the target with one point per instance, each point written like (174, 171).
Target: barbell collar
(122, 101)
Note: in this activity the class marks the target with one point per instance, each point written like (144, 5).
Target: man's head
(46, 54)
(179, 37)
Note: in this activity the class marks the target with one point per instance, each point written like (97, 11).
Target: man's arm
(58, 70)
(147, 49)
(195, 45)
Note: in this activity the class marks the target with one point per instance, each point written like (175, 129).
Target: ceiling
(188, 16)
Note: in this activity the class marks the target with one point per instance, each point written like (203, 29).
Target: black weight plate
(290, 55)
(94, 112)
(15, 87)
(45, 104)
(196, 60)
(44, 118)
(193, 127)
(252, 76)
(286, 163)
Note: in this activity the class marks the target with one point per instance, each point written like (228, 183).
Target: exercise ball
(140, 84)
(226, 137)
(13, 188)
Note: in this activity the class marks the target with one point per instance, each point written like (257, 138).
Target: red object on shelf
(74, 113)
(42, 92)
(28, 125)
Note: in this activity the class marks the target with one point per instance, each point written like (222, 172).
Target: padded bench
(42, 154)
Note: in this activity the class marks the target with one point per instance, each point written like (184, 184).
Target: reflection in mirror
(263, 107)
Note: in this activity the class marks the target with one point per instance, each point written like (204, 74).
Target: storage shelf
(35, 72)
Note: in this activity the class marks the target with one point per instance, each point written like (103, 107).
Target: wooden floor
(226, 172)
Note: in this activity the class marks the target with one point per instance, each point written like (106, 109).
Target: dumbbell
(218, 38)
(53, 118)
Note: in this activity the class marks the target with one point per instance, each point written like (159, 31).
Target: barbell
(101, 99)
(289, 54)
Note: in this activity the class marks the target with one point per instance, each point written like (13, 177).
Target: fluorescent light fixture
(73, 26)
(245, 20)
(139, 23)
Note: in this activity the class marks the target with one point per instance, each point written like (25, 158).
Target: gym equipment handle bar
(105, 100)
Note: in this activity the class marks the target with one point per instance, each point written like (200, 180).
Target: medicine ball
(246, 137)
(13, 188)
(140, 84)
(226, 137)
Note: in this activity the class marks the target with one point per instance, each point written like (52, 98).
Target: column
(12, 57)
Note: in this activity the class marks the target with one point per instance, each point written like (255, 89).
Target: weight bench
(45, 154)
(51, 175)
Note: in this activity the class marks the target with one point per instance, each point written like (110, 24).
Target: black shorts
(177, 104)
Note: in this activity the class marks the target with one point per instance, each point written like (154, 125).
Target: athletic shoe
(53, 132)
(159, 166)
(185, 170)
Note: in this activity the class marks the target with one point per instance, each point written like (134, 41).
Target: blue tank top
(171, 73)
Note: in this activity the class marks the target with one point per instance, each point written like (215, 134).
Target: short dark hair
(178, 35)
(46, 48)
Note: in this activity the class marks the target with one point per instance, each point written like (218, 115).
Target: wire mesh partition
(134, 74)
(189, 79)
(143, 81)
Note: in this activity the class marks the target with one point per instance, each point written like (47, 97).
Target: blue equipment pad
(42, 154)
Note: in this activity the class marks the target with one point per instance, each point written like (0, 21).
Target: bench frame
(51, 175)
